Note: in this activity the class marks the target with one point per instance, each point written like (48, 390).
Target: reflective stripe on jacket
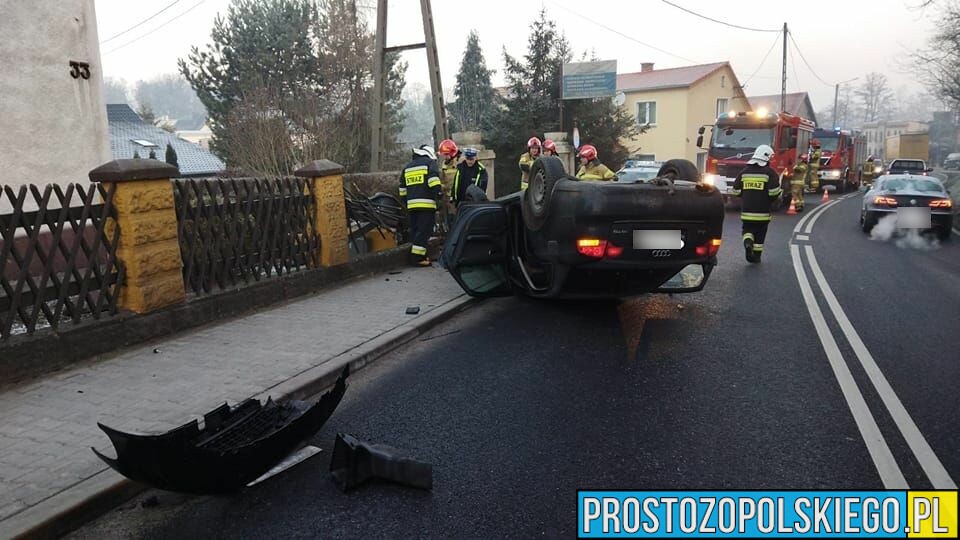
(758, 186)
(420, 184)
(595, 171)
(467, 175)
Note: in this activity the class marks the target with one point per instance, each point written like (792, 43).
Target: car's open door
(476, 250)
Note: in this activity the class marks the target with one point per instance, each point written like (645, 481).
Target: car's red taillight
(709, 249)
(885, 201)
(614, 251)
(941, 203)
(592, 247)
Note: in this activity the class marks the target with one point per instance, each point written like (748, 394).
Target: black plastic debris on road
(354, 462)
(236, 445)
(413, 310)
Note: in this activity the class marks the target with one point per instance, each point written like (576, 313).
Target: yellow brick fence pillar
(330, 208)
(148, 248)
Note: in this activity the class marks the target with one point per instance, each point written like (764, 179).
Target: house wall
(54, 126)
(666, 139)
(702, 107)
(680, 113)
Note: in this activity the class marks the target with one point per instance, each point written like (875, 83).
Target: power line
(631, 38)
(136, 39)
(793, 64)
(694, 13)
(115, 36)
(762, 62)
(797, 47)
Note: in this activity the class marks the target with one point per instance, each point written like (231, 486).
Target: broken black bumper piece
(355, 462)
(236, 445)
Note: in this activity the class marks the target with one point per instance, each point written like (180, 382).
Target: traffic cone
(792, 211)
(826, 196)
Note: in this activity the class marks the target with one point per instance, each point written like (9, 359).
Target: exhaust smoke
(886, 230)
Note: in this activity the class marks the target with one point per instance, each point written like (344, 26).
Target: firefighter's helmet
(815, 143)
(425, 150)
(762, 155)
(588, 152)
(447, 148)
(533, 143)
(550, 146)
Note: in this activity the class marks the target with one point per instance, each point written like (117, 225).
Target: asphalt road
(518, 403)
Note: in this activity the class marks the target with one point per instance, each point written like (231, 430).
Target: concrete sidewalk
(48, 426)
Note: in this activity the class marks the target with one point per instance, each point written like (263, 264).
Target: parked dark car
(909, 197)
(564, 237)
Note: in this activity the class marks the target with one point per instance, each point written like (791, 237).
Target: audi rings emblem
(662, 253)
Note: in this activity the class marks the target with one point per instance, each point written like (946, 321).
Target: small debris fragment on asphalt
(395, 272)
(680, 307)
(156, 351)
(413, 310)
(79, 391)
(354, 462)
(150, 502)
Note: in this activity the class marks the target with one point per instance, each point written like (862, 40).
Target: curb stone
(90, 498)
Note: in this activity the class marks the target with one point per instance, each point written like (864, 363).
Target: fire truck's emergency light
(732, 114)
(762, 111)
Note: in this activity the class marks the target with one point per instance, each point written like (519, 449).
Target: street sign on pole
(584, 80)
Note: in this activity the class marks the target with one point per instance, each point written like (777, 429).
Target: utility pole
(433, 64)
(783, 80)
(836, 98)
(379, 87)
(440, 131)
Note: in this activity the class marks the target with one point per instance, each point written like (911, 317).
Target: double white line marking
(890, 473)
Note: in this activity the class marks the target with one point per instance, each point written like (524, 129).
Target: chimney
(646, 66)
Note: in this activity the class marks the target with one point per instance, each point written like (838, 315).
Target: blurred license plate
(657, 240)
(913, 218)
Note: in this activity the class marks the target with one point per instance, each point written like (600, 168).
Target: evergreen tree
(152, 155)
(299, 66)
(136, 155)
(533, 106)
(171, 156)
(476, 100)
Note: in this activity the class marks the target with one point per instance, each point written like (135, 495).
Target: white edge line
(932, 466)
(880, 453)
(804, 219)
(809, 228)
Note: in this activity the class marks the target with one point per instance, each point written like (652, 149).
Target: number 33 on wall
(79, 69)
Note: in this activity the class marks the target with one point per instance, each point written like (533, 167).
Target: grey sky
(841, 39)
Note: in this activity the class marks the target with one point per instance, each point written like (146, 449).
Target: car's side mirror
(700, 140)
(928, 169)
(701, 131)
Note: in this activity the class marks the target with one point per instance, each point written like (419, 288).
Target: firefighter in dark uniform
(758, 186)
(469, 171)
(421, 190)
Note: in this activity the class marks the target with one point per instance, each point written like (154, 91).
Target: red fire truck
(842, 153)
(737, 134)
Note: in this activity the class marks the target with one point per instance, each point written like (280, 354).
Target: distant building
(797, 104)
(129, 134)
(674, 103)
(200, 137)
(876, 133)
(52, 108)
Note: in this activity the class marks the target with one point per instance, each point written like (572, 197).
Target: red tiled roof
(680, 77)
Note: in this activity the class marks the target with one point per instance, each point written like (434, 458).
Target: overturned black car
(563, 237)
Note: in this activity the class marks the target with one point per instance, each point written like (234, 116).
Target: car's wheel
(867, 223)
(679, 169)
(943, 234)
(544, 175)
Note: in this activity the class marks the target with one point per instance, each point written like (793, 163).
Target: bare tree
(938, 64)
(876, 97)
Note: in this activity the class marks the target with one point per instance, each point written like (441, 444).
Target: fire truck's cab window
(742, 138)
